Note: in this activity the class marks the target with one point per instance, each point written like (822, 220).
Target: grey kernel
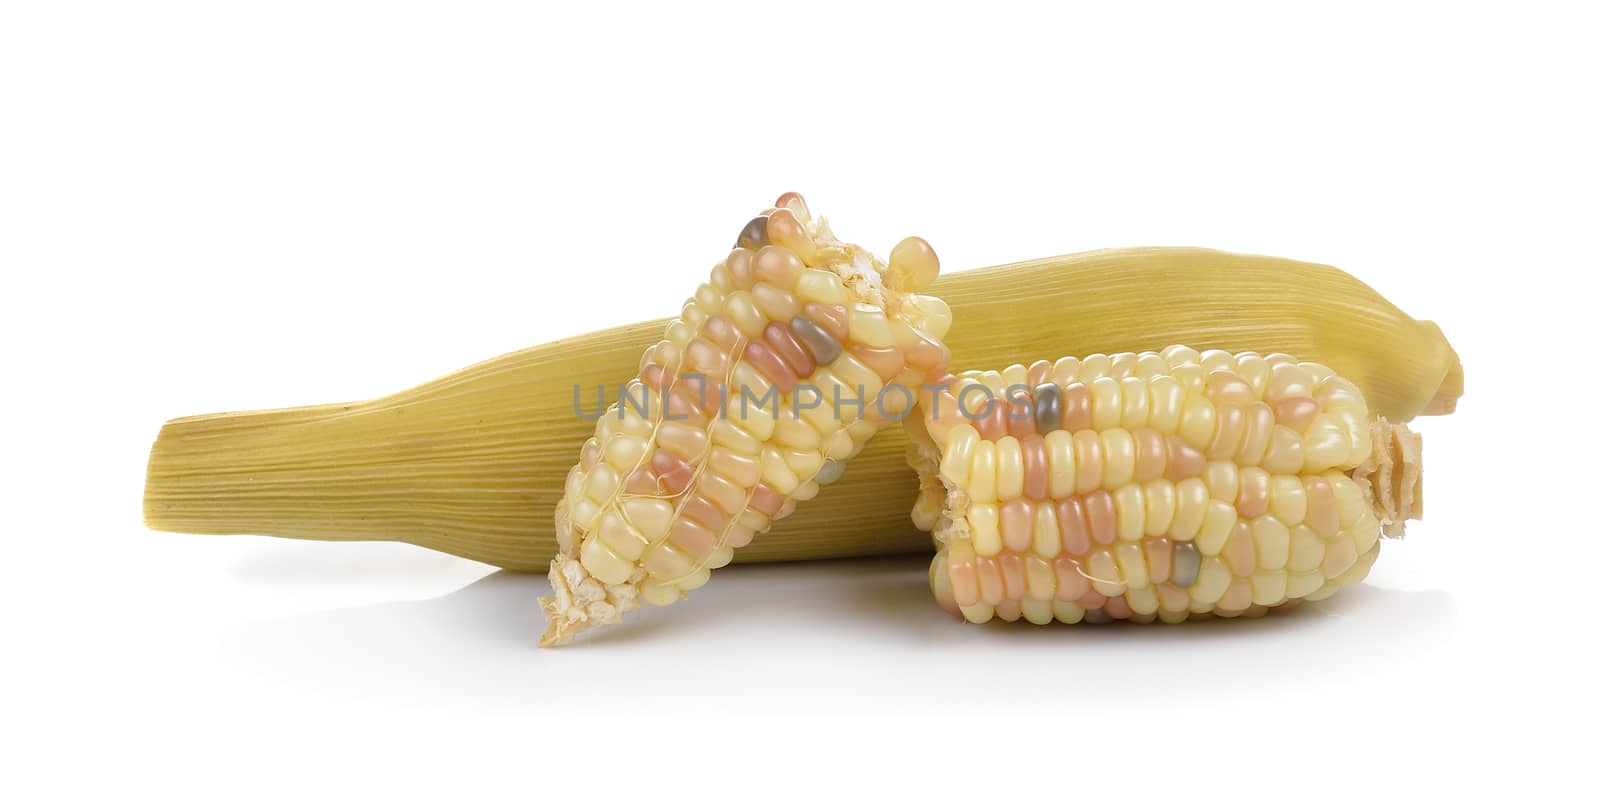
(754, 233)
(1047, 407)
(824, 348)
(831, 471)
(1185, 564)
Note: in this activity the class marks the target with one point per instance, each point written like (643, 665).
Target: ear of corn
(1155, 486)
(474, 463)
(779, 369)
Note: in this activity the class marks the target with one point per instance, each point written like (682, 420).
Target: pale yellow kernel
(658, 594)
(1222, 480)
(1347, 498)
(1063, 472)
(1213, 581)
(1090, 459)
(794, 433)
(751, 418)
(1268, 587)
(1177, 355)
(1131, 566)
(602, 563)
(1095, 365)
(1046, 532)
(1037, 612)
(708, 299)
(870, 326)
(1166, 404)
(861, 431)
(692, 315)
(1335, 394)
(1325, 591)
(719, 557)
(1065, 370)
(1160, 506)
(1105, 403)
(1301, 585)
(1272, 542)
(981, 481)
(1103, 575)
(721, 280)
(1360, 570)
(1191, 377)
(1149, 365)
(614, 529)
(1359, 430)
(858, 377)
(1284, 455)
(840, 444)
(573, 490)
(1117, 458)
(1172, 617)
(1142, 601)
(1287, 499)
(624, 452)
(1254, 370)
(1193, 499)
(1365, 532)
(695, 579)
(1259, 424)
(1215, 529)
(1213, 360)
(983, 521)
(1199, 422)
(741, 309)
(584, 512)
(1129, 500)
(1014, 375)
(820, 286)
(601, 483)
(1040, 576)
(679, 333)
(1287, 380)
(779, 304)
(668, 563)
(1066, 611)
(1305, 549)
(932, 315)
(1135, 403)
(979, 612)
(803, 462)
(776, 473)
(649, 516)
(731, 437)
(1326, 445)
(992, 381)
(1008, 468)
(955, 465)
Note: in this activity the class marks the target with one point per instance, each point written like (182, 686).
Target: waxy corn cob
(1155, 486)
(775, 374)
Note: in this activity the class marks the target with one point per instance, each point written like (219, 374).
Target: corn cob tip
(1391, 479)
(581, 602)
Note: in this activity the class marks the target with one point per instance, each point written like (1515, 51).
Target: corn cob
(473, 463)
(779, 369)
(1155, 486)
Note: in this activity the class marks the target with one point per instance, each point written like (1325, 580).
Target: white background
(216, 206)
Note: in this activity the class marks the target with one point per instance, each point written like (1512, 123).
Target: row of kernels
(1116, 582)
(1062, 463)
